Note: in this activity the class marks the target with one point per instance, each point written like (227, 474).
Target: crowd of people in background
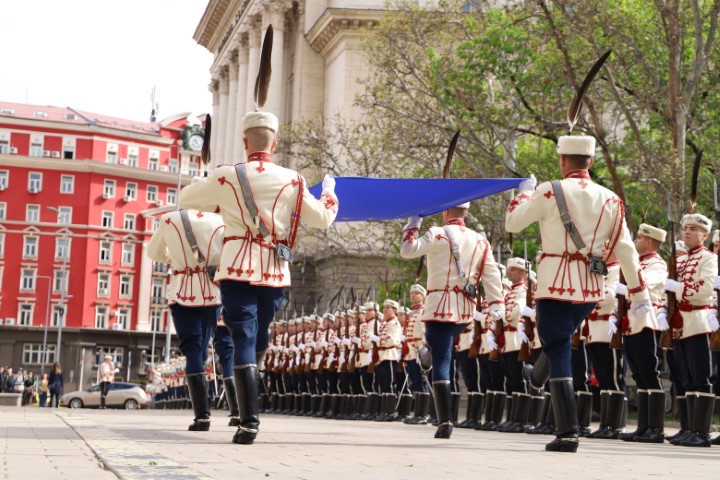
(41, 390)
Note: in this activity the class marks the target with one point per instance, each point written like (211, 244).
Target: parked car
(120, 395)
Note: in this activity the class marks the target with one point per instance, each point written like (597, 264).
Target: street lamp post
(44, 355)
(63, 291)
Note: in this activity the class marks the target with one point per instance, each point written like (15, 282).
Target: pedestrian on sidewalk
(43, 388)
(56, 385)
(107, 376)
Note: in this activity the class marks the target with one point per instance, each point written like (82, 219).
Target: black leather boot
(246, 385)
(350, 406)
(200, 402)
(443, 408)
(700, 424)
(545, 414)
(689, 415)
(498, 405)
(584, 411)
(655, 431)
(537, 404)
(307, 410)
(422, 405)
(404, 407)
(682, 413)
(537, 374)
(342, 406)
(360, 407)
(604, 396)
(372, 406)
(274, 402)
(469, 421)
(566, 426)
(642, 418)
(231, 396)
(522, 413)
(455, 404)
(325, 401)
(487, 410)
(615, 411)
(315, 401)
(510, 407)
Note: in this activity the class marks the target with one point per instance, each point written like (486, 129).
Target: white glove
(356, 340)
(612, 325)
(402, 338)
(342, 358)
(275, 363)
(323, 344)
(716, 283)
(521, 333)
(307, 358)
(336, 340)
(528, 186)
(671, 285)
(352, 355)
(497, 314)
(294, 348)
(662, 321)
(640, 309)
(490, 338)
(331, 357)
(712, 319)
(621, 289)
(328, 184)
(346, 341)
(374, 338)
(479, 316)
(312, 344)
(301, 346)
(528, 312)
(413, 222)
(292, 362)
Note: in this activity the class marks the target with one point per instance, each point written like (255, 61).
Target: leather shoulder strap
(565, 215)
(249, 200)
(191, 236)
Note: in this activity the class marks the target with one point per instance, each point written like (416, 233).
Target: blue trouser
(491, 375)
(399, 379)
(440, 336)
(693, 358)
(580, 368)
(384, 372)
(223, 344)
(194, 326)
(345, 382)
(557, 320)
(367, 380)
(247, 311)
(415, 380)
(512, 368)
(641, 355)
(470, 370)
(608, 365)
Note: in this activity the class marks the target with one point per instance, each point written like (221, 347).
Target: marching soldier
(387, 341)
(492, 379)
(414, 333)
(571, 273)
(367, 377)
(457, 260)
(192, 241)
(698, 315)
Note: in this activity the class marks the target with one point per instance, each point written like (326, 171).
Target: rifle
(321, 367)
(375, 352)
(620, 313)
(524, 355)
(715, 337)
(666, 337)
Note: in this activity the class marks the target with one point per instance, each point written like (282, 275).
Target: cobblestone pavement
(100, 444)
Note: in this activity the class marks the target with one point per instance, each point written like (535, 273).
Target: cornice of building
(337, 22)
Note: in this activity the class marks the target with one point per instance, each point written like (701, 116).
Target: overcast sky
(105, 56)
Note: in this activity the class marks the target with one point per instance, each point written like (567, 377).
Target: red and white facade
(77, 193)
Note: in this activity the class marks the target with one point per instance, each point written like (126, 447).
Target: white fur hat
(652, 232)
(418, 288)
(576, 145)
(516, 262)
(465, 205)
(371, 306)
(260, 120)
(697, 219)
(391, 303)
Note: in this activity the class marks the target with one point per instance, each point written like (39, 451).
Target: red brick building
(77, 194)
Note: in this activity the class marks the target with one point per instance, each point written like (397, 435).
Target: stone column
(238, 148)
(254, 41)
(275, 14)
(220, 126)
(231, 110)
(145, 279)
(214, 89)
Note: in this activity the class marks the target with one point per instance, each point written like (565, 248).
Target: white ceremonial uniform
(655, 273)
(390, 332)
(515, 300)
(414, 332)
(563, 272)
(247, 257)
(696, 272)
(597, 321)
(446, 300)
(190, 284)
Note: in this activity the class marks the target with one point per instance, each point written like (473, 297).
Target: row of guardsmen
(361, 364)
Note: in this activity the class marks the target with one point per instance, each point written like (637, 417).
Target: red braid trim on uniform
(259, 157)
(584, 174)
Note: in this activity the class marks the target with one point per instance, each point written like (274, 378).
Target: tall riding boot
(360, 407)
(642, 418)
(522, 413)
(325, 400)
(654, 433)
(537, 374)
(604, 396)
(545, 413)
(563, 398)
(422, 405)
(509, 412)
(682, 413)
(231, 396)
(334, 406)
(479, 408)
(443, 407)
(549, 427)
(455, 404)
(498, 405)
(700, 425)
(316, 401)
(391, 405)
(432, 415)
(404, 407)
(342, 406)
(469, 422)
(350, 406)
(200, 402)
(584, 410)
(614, 419)
(372, 406)
(487, 411)
(246, 385)
(536, 411)
(690, 414)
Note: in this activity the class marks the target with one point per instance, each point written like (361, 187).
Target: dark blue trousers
(470, 370)
(491, 375)
(415, 381)
(194, 326)
(440, 336)
(692, 356)
(641, 356)
(223, 344)
(608, 365)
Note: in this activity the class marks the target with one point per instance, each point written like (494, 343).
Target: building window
(130, 191)
(109, 189)
(115, 352)
(106, 252)
(155, 224)
(60, 281)
(103, 288)
(152, 192)
(67, 184)
(27, 280)
(2, 245)
(33, 354)
(129, 221)
(30, 248)
(128, 254)
(4, 179)
(153, 164)
(25, 313)
(58, 315)
(133, 160)
(107, 219)
(36, 150)
(4, 147)
(125, 286)
(32, 213)
(159, 267)
(68, 152)
(156, 319)
(62, 249)
(35, 182)
(192, 168)
(112, 157)
(3, 209)
(65, 215)
(171, 196)
(158, 291)
(173, 167)
(123, 318)
(101, 316)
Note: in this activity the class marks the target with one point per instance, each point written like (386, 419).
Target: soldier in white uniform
(414, 333)
(691, 330)
(193, 297)
(452, 293)
(387, 342)
(254, 266)
(571, 278)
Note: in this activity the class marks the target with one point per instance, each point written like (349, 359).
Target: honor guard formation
(524, 340)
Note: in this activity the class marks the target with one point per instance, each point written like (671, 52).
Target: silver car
(120, 395)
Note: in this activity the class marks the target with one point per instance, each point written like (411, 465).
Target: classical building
(78, 191)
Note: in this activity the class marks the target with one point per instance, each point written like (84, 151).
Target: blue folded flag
(368, 199)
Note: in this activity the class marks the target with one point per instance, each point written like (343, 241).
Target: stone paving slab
(156, 444)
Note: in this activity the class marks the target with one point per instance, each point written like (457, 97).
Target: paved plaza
(105, 444)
